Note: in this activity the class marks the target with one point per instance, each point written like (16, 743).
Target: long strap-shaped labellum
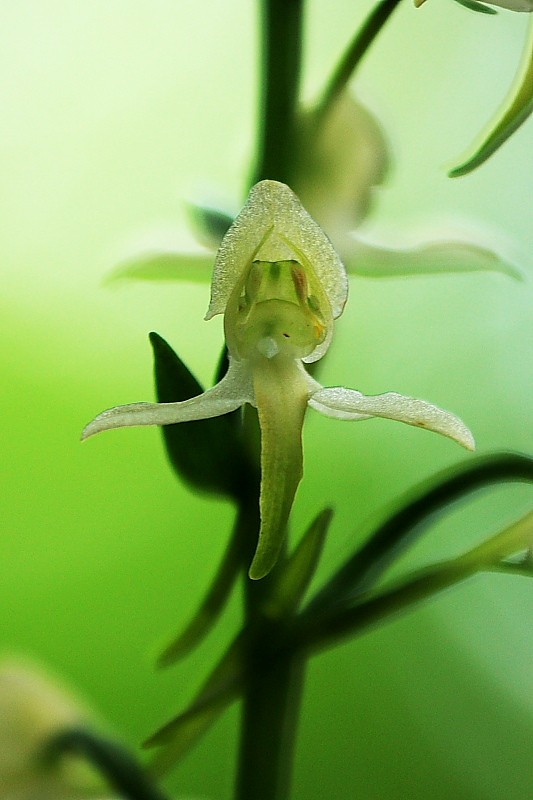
(281, 394)
(515, 110)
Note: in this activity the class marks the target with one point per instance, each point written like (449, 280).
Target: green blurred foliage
(113, 113)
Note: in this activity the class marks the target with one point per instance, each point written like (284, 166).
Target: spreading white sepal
(230, 393)
(340, 401)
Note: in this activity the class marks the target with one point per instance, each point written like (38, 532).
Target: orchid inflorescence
(280, 285)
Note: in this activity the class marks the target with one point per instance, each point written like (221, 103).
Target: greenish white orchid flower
(280, 285)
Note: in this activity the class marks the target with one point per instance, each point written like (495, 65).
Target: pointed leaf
(514, 111)
(514, 539)
(208, 454)
(220, 689)
(297, 571)
(405, 525)
(211, 606)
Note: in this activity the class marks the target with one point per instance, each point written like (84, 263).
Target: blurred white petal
(372, 260)
(161, 265)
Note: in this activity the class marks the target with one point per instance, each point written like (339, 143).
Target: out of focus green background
(113, 113)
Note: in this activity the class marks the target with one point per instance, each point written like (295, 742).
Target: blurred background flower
(33, 709)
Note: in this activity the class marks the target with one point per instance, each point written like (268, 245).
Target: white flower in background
(341, 161)
(33, 710)
(280, 284)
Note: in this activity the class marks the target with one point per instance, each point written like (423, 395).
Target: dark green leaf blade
(220, 689)
(210, 607)
(207, 454)
(404, 526)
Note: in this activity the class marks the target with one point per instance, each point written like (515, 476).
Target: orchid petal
(163, 265)
(374, 261)
(230, 393)
(515, 110)
(281, 395)
(274, 226)
(398, 407)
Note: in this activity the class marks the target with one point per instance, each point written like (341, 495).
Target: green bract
(514, 111)
(280, 284)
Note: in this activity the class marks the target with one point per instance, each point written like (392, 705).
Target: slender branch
(353, 621)
(310, 635)
(355, 52)
(404, 526)
(120, 767)
(212, 604)
(281, 27)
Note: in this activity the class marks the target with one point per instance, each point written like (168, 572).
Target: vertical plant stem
(269, 722)
(355, 52)
(271, 701)
(281, 29)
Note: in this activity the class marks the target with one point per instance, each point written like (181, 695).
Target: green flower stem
(274, 682)
(354, 54)
(281, 27)
(271, 701)
(353, 621)
(269, 721)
